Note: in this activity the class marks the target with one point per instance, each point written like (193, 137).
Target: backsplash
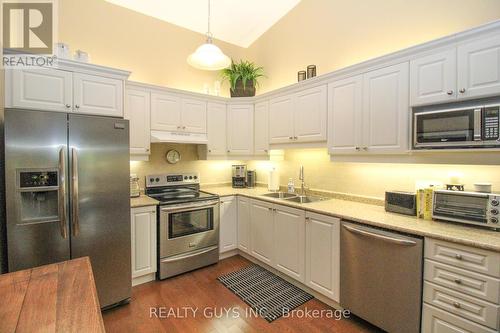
(360, 179)
(369, 179)
(210, 171)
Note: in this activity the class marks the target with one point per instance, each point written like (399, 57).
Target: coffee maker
(239, 176)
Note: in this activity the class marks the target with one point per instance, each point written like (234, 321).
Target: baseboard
(228, 254)
(143, 279)
(296, 283)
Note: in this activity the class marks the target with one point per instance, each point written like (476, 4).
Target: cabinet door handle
(365, 148)
(296, 137)
(210, 150)
(228, 151)
(77, 106)
(68, 106)
(457, 305)
(450, 92)
(462, 90)
(358, 149)
(458, 256)
(290, 137)
(458, 281)
(270, 209)
(183, 127)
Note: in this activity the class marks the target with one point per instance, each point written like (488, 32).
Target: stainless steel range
(188, 223)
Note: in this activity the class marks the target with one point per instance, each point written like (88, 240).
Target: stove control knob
(157, 180)
(494, 202)
(185, 177)
(494, 211)
(493, 220)
(190, 177)
(151, 180)
(195, 177)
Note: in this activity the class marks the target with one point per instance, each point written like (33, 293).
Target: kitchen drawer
(435, 320)
(470, 258)
(467, 307)
(470, 283)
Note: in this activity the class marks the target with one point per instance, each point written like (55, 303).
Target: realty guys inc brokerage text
(164, 312)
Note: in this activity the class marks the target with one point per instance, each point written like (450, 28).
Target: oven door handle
(203, 204)
(190, 254)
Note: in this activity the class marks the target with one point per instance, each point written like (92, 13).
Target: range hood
(179, 137)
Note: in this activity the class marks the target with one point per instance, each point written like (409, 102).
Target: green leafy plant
(245, 71)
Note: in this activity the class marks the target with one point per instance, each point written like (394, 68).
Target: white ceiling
(238, 22)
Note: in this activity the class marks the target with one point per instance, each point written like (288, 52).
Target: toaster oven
(467, 207)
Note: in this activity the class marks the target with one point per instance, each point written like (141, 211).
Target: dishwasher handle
(385, 238)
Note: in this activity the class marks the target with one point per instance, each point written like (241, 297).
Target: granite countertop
(377, 216)
(142, 201)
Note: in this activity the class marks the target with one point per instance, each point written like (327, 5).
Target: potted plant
(243, 77)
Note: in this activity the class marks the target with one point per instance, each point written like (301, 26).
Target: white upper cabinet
(194, 115)
(433, 78)
(370, 113)
(166, 112)
(43, 89)
(97, 95)
(216, 128)
(479, 68)
(471, 70)
(281, 120)
(240, 129)
(386, 110)
(72, 87)
(310, 114)
(289, 241)
(261, 128)
(300, 117)
(228, 224)
(137, 111)
(345, 115)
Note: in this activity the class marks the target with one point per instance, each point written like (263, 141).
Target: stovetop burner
(176, 188)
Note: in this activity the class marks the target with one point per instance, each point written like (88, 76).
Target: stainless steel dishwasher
(381, 277)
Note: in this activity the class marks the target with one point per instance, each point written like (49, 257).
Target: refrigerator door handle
(62, 193)
(75, 223)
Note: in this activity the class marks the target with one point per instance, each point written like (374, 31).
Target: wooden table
(59, 297)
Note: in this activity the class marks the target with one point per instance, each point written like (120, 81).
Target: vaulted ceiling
(238, 22)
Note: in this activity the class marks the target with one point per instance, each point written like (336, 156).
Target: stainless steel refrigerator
(67, 195)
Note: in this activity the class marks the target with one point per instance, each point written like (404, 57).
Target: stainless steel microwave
(467, 207)
(471, 127)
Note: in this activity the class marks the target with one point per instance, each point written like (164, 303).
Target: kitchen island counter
(59, 297)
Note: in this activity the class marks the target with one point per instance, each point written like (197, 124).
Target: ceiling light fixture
(208, 56)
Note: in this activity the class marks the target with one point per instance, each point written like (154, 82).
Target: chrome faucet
(302, 182)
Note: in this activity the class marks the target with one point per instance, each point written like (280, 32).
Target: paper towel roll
(274, 180)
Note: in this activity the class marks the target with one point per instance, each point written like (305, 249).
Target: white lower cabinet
(289, 241)
(143, 238)
(262, 231)
(457, 298)
(228, 224)
(323, 254)
(435, 320)
(244, 224)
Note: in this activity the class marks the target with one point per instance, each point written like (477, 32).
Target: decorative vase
(238, 91)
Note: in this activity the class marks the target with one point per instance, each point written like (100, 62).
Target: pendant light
(208, 56)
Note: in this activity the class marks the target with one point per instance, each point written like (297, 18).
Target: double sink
(294, 197)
